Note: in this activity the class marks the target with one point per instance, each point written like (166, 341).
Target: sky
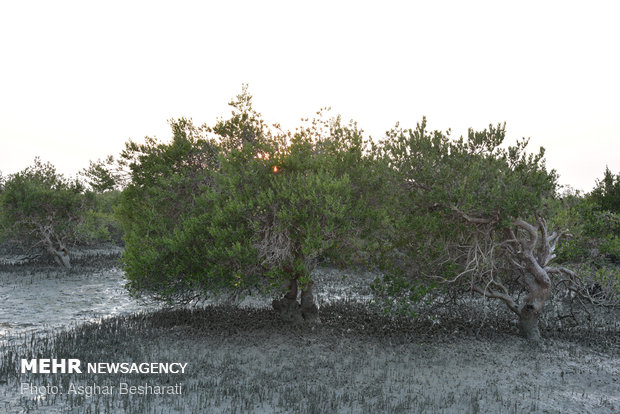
(80, 78)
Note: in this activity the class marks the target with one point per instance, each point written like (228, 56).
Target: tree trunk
(529, 254)
(531, 308)
(309, 310)
(528, 323)
(291, 310)
(61, 256)
(287, 307)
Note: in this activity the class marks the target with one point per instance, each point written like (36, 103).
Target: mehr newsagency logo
(75, 366)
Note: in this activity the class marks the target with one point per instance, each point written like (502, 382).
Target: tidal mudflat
(242, 358)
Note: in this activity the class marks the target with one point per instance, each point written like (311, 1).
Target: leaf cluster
(37, 197)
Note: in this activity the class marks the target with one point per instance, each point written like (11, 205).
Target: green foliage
(602, 280)
(594, 234)
(245, 128)
(601, 226)
(606, 194)
(38, 201)
(593, 244)
(167, 180)
(474, 174)
(242, 206)
(446, 186)
(100, 221)
(38, 204)
(103, 175)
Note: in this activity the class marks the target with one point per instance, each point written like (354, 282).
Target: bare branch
(495, 295)
(476, 220)
(275, 246)
(527, 246)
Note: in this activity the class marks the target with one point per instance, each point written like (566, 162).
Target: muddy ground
(242, 358)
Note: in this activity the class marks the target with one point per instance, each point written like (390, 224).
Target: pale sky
(78, 79)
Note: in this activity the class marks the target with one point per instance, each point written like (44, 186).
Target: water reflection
(49, 300)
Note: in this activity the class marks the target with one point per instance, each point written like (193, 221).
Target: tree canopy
(41, 207)
(243, 207)
(463, 218)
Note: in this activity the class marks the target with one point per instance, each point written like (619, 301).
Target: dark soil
(247, 360)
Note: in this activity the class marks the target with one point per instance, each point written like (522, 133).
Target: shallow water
(44, 301)
(47, 299)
